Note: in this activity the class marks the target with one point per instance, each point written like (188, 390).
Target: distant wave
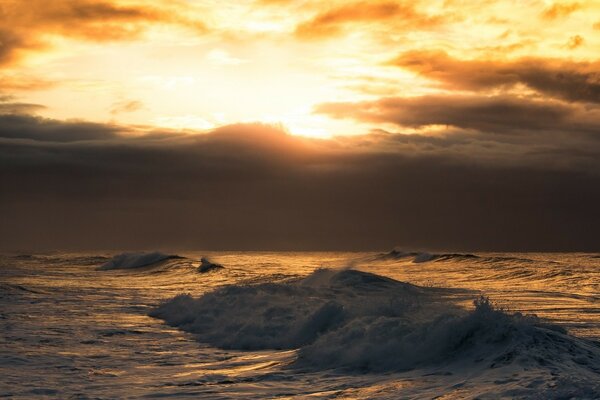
(206, 265)
(419, 257)
(136, 260)
(7, 288)
(64, 259)
(362, 322)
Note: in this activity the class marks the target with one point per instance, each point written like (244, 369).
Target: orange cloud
(575, 81)
(25, 25)
(559, 10)
(333, 21)
(574, 42)
(16, 82)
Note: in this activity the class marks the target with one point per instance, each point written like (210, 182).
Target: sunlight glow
(243, 61)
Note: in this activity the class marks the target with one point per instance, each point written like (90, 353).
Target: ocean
(259, 325)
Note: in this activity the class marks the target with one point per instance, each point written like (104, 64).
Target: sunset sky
(300, 124)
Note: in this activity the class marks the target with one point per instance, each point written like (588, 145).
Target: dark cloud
(255, 187)
(569, 80)
(333, 21)
(24, 25)
(22, 126)
(495, 114)
(9, 106)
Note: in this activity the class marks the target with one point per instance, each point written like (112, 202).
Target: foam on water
(361, 322)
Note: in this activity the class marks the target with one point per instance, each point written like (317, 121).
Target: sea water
(300, 325)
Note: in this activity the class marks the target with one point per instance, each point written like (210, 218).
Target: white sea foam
(360, 322)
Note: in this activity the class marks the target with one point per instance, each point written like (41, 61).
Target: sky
(300, 125)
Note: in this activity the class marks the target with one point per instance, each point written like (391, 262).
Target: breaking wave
(206, 265)
(136, 260)
(357, 321)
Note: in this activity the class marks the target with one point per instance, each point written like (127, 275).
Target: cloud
(495, 114)
(17, 82)
(250, 186)
(126, 106)
(560, 10)
(11, 43)
(221, 57)
(574, 42)
(26, 25)
(568, 80)
(9, 106)
(334, 21)
(14, 124)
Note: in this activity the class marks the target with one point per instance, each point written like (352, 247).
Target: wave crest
(419, 257)
(135, 260)
(357, 321)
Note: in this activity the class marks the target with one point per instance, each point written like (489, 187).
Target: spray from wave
(355, 321)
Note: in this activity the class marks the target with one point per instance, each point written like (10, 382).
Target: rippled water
(69, 330)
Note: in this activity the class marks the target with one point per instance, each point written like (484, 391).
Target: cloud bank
(252, 186)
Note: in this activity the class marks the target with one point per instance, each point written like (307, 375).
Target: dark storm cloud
(568, 80)
(333, 21)
(255, 187)
(25, 25)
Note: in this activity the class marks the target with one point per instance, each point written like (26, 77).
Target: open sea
(249, 325)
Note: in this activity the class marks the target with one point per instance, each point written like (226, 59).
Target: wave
(206, 265)
(360, 322)
(278, 315)
(419, 257)
(136, 260)
(62, 259)
(8, 288)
